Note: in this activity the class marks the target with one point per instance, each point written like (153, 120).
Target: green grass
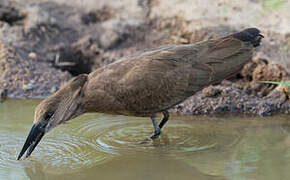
(271, 82)
(273, 4)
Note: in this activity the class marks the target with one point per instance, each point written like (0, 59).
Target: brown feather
(157, 79)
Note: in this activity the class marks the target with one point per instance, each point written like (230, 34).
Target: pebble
(211, 91)
(28, 87)
(32, 55)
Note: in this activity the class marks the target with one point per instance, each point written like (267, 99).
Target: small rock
(109, 39)
(97, 16)
(28, 87)
(211, 91)
(281, 91)
(114, 32)
(221, 108)
(32, 55)
(53, 90)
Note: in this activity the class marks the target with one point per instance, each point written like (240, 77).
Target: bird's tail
(251, 35)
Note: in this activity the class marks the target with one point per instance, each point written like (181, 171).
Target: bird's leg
(157, 128)
(164, 120)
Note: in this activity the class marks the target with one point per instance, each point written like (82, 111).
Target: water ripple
(126, 136)
(68, 152)
(89, 143)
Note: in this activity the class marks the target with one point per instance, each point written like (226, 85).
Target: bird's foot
(147, 140)
(156, 134)
(153, 137)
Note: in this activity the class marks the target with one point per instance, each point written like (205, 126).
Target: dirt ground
(43, 43)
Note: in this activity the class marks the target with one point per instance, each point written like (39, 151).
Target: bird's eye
(48, 115)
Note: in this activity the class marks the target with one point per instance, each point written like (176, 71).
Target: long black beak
(36, 133)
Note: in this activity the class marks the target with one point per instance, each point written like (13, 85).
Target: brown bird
(146, 83)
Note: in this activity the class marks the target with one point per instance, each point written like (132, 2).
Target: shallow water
(98, 146)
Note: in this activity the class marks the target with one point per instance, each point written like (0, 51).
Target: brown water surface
(99, 146)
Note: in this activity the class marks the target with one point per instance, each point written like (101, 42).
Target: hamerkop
(145, 84)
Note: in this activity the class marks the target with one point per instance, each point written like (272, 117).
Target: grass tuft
(279, 83)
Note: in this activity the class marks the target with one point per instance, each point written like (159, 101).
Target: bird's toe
(156, 134)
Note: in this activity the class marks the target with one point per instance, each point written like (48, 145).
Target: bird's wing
(224, 51)
(220, 59)
(207, 62)
(150, 84)
(158, 79)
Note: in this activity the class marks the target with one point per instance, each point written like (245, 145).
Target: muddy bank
(45, 43)
(243, 94)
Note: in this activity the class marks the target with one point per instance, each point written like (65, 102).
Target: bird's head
(62, 106)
